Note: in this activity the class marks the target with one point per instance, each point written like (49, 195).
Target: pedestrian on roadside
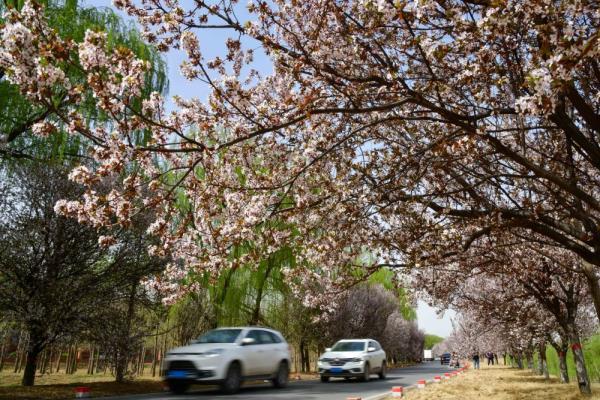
(496, 357)
(454, 360)
(476, 360)
(490, 357)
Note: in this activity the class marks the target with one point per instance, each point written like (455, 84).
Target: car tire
(282, 375)
(383, 371)
(324, 379)
(233, 380)
(366, 373)
(178, 387)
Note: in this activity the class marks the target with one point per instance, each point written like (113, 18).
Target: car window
(219, 336)
(265, 337)
(348, 346)
(274, 337)
(254, 334)
(376, 345)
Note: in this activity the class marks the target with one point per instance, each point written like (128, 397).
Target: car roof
(356, 340)
(247, 327)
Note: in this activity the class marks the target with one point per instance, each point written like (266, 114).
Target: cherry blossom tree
(525, 286)
(381, 122)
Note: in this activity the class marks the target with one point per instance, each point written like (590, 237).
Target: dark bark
(562, 365)
(155, 353)
(520, 360)
(2, 351)
(543, 362)
(583, 379)
(529, 357)
(122, 356)
(561, 350)
(255, 318)
(593, 282)
(34, 347)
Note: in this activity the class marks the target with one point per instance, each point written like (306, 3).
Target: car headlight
(213, 353)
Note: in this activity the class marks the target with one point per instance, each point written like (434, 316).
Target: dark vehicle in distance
(445, 358)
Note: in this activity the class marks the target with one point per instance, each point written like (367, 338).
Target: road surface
(336, 389)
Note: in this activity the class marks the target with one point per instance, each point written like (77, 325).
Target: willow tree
(18, 114)
(59, 275)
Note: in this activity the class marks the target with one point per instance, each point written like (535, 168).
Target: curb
(405, 388)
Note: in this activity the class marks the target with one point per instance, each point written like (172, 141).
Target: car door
(253, 362)
(268, 351)
(380, 353)
(375, 357)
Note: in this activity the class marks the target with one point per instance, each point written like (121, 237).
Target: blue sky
(212, 45)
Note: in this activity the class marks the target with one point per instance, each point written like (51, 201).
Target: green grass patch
(591, 352)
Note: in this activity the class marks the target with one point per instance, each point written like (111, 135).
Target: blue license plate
(177, 374)
(336, 370)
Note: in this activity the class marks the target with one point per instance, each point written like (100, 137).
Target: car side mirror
(327, 349)
(248, 341)
(371, 349)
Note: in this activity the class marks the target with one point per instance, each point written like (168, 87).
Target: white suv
(228, 356)
(351, 358)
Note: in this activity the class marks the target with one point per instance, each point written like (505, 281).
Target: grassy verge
(591, 351)
(62, 386)
(499, 383)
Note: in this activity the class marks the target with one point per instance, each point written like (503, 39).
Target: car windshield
(219, 336)
(348, 346)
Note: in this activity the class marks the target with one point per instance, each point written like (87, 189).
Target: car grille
(337, 362)
(182, 365)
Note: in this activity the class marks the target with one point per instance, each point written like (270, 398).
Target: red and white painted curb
(397, 391)
(82, 392)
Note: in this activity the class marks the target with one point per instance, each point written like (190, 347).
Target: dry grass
(62, 386)
(500, 383)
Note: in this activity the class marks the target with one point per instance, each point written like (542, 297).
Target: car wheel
(366, 373)
(383, 371)
(283, 375)
(178, 387)
(324, 379)
(233, 379)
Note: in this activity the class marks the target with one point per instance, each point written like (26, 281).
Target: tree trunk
(304, 361)
(255, 318)
(543, 362)
(562, 365)
(18, 353)
(520, 360)
(529, 356)
(124, 346)
(593, 282)
(34, 348)
(90, 359)
(583, 379)
(163, 351)
(155, 353)
(74, 359)
(58, 357)
(68, 361)
(2, 351)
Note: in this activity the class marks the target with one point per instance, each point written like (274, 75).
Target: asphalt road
(336, 389)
